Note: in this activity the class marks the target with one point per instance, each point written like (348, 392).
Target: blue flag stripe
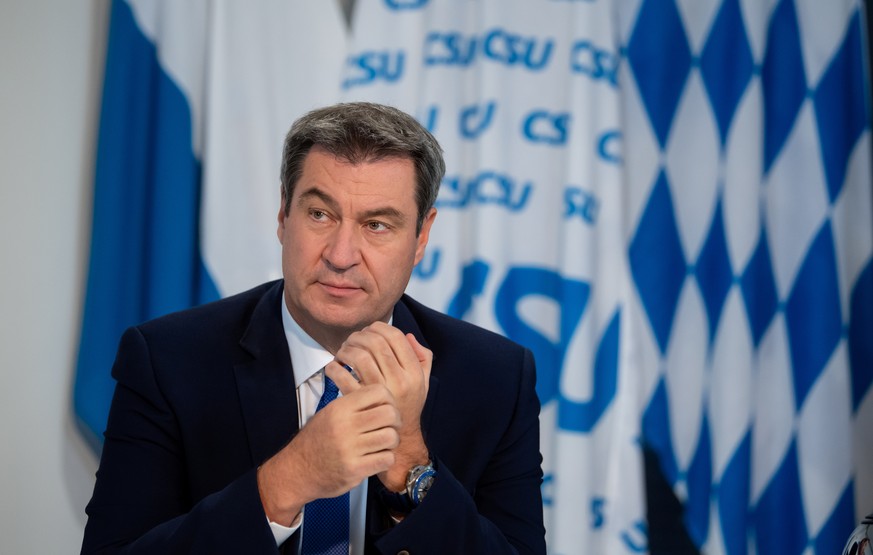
(145, 259)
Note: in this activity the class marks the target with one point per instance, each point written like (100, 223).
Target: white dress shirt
(308, 359)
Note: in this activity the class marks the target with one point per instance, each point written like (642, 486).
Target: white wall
(51, 66)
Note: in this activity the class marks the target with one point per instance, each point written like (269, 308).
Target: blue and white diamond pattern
(749, 187)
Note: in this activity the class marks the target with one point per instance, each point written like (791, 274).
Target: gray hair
(361, 132)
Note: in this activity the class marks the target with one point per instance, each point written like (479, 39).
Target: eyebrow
(388, 212)
(319, 194)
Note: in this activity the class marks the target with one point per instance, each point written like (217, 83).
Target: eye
(376, 226)
(317, 214)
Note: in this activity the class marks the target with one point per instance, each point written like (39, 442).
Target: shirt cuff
(282, 533)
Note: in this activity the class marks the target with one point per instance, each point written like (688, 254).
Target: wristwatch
(418, 482)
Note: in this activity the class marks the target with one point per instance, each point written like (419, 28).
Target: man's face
(349, 243)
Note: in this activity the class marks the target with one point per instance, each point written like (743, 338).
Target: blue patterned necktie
(326, 521)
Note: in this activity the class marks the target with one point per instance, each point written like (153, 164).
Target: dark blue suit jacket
(206, 395)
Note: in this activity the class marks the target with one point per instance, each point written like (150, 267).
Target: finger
(341, 377)
(425, 355)
(378, 416)
(352, 372)
(377, 353)
(381, 439)
(357, 355)
(403, 349)
(366, 397)
(376, 462)
(390, 349)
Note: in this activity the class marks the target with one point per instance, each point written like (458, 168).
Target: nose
(343, 248)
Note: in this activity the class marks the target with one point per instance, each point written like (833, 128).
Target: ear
(280, 231)
(424, 234)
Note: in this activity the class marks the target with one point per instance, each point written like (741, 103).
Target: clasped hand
(373, 428)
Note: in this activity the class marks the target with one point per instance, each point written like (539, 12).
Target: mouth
(339, 289)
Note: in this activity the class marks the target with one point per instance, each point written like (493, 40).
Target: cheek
(299, 244)
(394, 268)
(297, 259)
(303, 257)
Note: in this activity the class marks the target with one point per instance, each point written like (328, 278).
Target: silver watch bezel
(419, 481)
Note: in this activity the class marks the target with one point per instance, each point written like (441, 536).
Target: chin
(341, 319)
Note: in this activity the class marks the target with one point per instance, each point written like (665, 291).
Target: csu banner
(669, 202)
(529, 238)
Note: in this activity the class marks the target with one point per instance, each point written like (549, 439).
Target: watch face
(426, 482)
(421, 483)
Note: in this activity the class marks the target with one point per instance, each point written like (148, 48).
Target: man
(218, 438)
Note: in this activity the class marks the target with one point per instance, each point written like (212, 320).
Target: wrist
(406, 459)
(284, 514)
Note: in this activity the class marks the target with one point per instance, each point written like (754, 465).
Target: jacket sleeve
(141, 501)
(503, 513)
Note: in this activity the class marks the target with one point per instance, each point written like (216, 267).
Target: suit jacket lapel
(266, 381)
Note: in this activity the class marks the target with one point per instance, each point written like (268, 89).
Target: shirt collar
(307, 356)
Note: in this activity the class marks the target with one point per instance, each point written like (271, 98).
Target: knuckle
(390, 437)
(390, 459)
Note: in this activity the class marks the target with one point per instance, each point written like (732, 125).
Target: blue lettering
(582, 417)
(507, 56)
(637, 539)
(405, 4)
(502, 193)
(609, 147)
(599, 64)
(373, 66)
(552, 130)
(597, 516)
(486, 188)
(429, 264)
(578, 202)
(473, 124)
(498, 45)
(449, 49)
(511, 49)
(453, 186)
(367, 75)
(571, 298)
(546, 488)
(473, 278)
(430, 120)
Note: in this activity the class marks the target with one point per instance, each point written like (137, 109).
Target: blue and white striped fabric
(197, 97)
(748, 169)
(668, 201)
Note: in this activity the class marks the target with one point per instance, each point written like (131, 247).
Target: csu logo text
(497, 45)
(570, 298)
(487, 187)
(549, 128)
(370, 66)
